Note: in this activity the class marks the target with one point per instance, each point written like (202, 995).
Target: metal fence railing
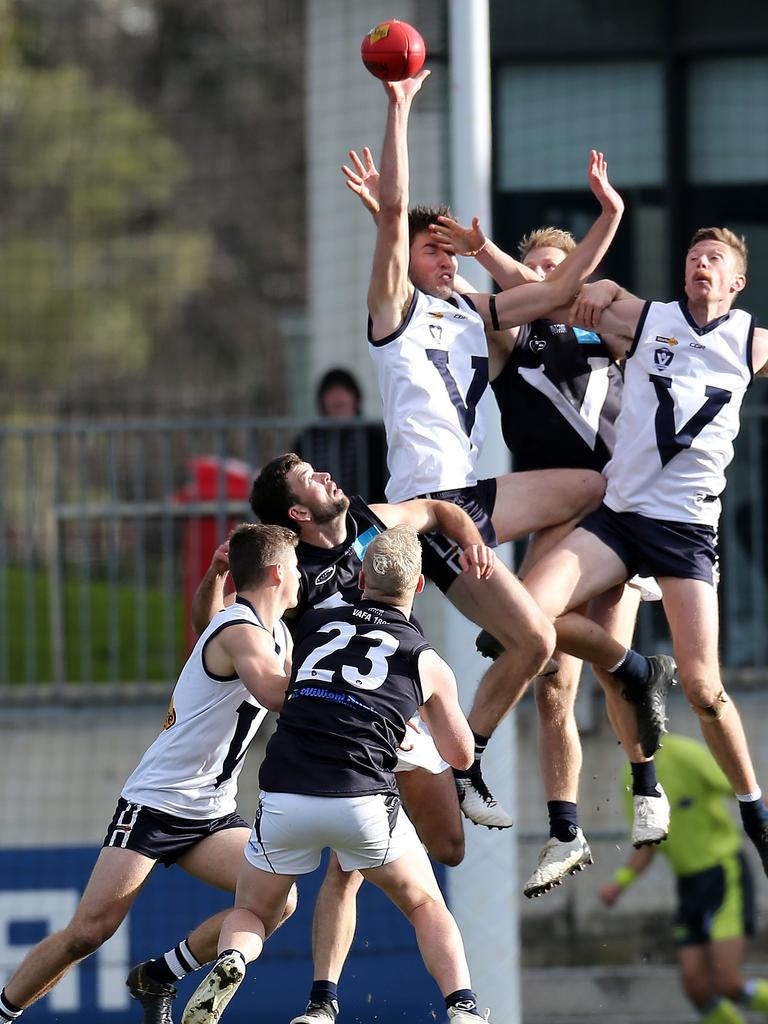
(105, 530)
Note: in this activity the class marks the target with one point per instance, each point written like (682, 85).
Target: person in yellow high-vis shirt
(714, 886)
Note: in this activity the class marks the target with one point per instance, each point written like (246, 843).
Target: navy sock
(753, 815)
(158, 970)
(324, 992)
(563, 820)
(462, 999)
(481, 742)
(644, 781)
(633, 670)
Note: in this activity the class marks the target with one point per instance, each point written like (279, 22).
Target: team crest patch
(666, 341)
(537, 344)
(325, 575)
(662, 357)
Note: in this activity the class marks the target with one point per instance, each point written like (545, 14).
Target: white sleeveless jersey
(191, 769)
(683, 389)
(433, 378)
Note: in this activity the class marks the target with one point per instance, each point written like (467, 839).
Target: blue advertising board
(384, 980)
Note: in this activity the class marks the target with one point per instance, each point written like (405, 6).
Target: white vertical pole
(483, 891)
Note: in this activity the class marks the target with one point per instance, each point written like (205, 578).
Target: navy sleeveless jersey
(559, 395)
(354, 685)
(329, 575)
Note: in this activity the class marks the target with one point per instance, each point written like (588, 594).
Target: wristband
(475, 252)
(625, 876)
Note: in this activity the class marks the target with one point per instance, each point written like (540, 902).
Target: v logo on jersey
(468, 411)
(671, 441)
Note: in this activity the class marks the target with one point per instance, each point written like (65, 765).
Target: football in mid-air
(394, 50)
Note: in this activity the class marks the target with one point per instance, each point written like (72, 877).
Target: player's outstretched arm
(209, 597)
(528, 302)
(251, 652)
(389, 289)
(425, 515)
(441, 711)
(506, 271)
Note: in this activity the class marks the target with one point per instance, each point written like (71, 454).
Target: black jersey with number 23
(355, 683)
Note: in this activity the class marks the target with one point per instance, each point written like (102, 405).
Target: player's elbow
(462, 754)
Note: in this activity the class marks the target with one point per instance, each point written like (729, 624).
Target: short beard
(335, 508)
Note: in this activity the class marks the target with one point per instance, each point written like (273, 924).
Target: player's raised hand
(220, 560)
(460, 240)
(405, 90)
(602, 189)
(363, 179)
(590, 302)
(478, 559)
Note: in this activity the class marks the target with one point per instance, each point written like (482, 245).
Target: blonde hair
(554, 237)
(392, 562)
(737, 243)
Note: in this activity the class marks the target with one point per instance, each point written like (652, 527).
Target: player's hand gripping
(363, 180)
(220, 560)
(590, 302)
(478, 559)
(609, 199)
(405, 744)
(461, 241)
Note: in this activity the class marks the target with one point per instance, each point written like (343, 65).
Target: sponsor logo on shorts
(666, 341)
(662, 357)
(325, 575)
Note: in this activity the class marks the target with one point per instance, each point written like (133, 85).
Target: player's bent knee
(594, 490)
(86, 937)
(449, 852)
(707, 708)
(539, 645)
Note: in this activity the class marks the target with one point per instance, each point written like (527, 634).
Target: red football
(393, 50)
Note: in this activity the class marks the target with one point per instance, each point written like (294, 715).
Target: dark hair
(420, 217)
(337, 377)
(271, 497)
(253, 548)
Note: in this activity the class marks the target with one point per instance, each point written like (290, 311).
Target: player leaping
(429, 346)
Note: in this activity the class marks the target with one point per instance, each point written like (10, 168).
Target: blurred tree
(151, 203)
(82, 289)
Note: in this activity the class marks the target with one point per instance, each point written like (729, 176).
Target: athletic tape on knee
(712, 711)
